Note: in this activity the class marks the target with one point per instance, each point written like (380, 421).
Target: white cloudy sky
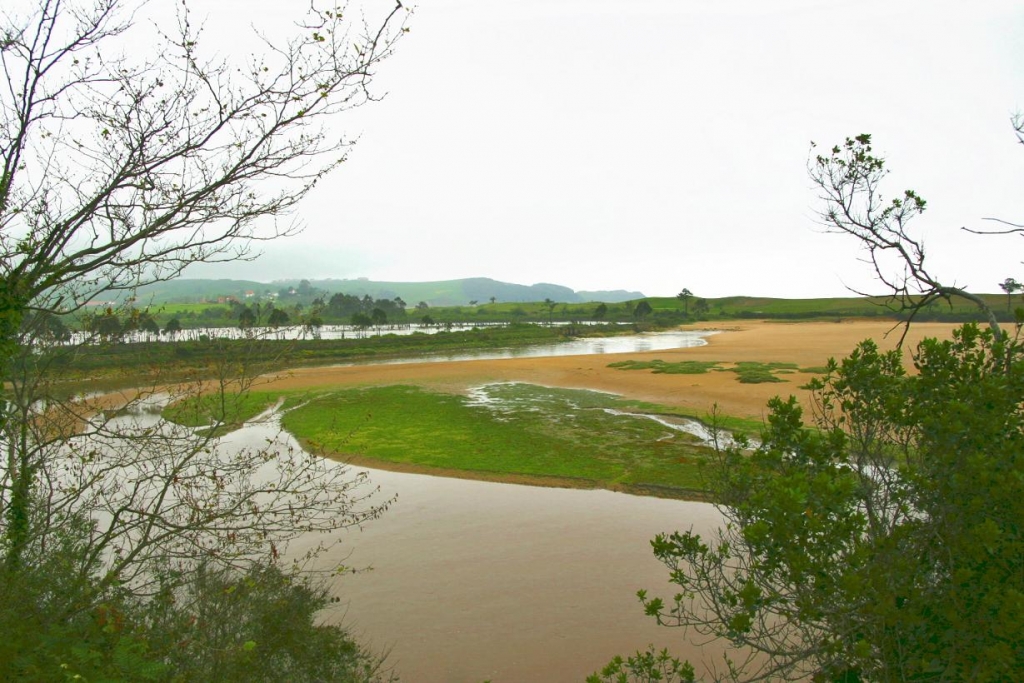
(661, 144)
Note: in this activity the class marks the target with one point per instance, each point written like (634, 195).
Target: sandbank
(807, 344)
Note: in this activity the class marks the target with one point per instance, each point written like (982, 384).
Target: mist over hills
(440, 293)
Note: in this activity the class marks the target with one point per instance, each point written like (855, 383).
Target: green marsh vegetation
(223, 411)
(756, 372)
(747, 372)
(522, 430)
(660, 367)
(502, 431)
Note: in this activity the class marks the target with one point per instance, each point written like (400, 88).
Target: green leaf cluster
(650, 666)
(204, 623)
(883, 541)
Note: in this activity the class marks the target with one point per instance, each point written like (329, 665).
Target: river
(467, 581)
(475, 581)
(583, 346)
(472, 581)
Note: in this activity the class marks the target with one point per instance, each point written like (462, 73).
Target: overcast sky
(659, 144)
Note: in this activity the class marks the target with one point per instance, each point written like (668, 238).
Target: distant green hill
(440, 293)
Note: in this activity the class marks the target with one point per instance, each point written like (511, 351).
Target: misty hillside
(440, 293)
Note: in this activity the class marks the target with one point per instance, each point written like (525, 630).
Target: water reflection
(631, 343)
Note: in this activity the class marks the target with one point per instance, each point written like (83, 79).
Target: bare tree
(849, 181)
(118, 170)
(161, 494)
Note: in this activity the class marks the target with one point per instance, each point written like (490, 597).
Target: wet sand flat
(808, 344)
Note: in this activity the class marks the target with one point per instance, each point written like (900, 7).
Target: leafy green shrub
(61, 623)
(219, 625)
(881, 542)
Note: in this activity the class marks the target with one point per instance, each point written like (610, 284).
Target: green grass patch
(226, 409)
(686, 367)
(747, 372)
(519, 430)
(755, 372)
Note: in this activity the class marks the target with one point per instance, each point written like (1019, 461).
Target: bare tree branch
(849, 179)
(118, 171)
(121, 169)
(1014, 228)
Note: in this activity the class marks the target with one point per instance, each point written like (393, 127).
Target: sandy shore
(808, 344)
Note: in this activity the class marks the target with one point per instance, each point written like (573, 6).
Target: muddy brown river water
(467, 581)
(475, 581)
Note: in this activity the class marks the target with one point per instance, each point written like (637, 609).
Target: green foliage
(61, 623)
(247, 318)
(685, 295)
(277, 318)
(106, 325)
(263, 625)
(45, 326)
(649, 666)
(642, 310)
(882, 543)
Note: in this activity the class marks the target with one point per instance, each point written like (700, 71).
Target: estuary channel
(467, 581)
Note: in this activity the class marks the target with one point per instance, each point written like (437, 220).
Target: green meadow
(503, 431)
(526, 431)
